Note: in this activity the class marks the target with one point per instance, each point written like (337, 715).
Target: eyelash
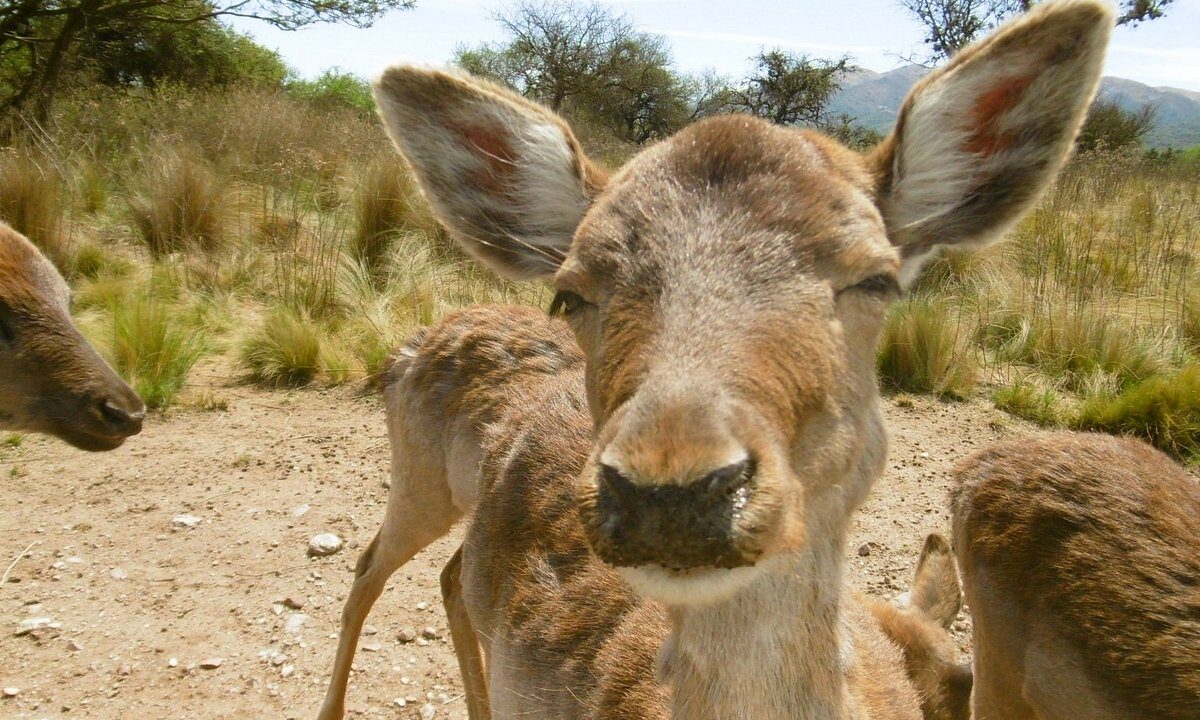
(882, 284)
(566, 303)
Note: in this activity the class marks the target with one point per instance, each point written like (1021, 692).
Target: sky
(718, 34)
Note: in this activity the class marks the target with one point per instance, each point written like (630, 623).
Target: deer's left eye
(883, 284)
(566, 303)
(8, 337)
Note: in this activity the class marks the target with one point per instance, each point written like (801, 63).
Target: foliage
(951, 25)
(152, 350)
(181, 208)
(789, 89)
(335, 88)
(1040, 405)
(122, 40)
(285, 350)
(1111, 127)
(31, 201)
(1164, 410)
(921, 351)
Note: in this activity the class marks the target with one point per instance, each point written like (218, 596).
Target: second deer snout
(678, 526)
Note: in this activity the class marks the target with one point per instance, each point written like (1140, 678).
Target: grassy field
(283, 235)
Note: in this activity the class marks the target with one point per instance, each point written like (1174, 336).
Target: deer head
(727, 285)
(51, 380)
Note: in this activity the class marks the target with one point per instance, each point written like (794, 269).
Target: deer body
(661, 513)
(1080, 564)
(51, 380)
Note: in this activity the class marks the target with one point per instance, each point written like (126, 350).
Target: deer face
(727, 286)
(51, 380)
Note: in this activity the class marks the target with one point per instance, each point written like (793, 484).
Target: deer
(1080, 557)
(51, 380)
(661, 474)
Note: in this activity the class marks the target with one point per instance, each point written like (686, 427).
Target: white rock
(428, 711)
(34, 624)
(118, 574)
(185, 520)
(324, 544)
(301, 511)
(11, 691)
(287, 670)
(294, 623)
(73, 645)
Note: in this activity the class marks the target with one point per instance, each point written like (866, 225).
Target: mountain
(873, 99)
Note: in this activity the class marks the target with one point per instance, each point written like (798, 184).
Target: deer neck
(776, 649)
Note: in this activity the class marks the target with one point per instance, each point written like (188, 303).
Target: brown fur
(51, 380)
(726, 289)
(1081, 552)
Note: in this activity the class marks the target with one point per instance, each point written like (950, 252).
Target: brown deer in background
(1080, 556)
(51, 380)
(663, 482)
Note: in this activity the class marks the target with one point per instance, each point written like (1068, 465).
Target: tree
(589, 63)
(1110, 127)
(789, 89)
(950, 25)
(40, 38)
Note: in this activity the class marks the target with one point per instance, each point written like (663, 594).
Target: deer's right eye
(566, 303)
(7, 335)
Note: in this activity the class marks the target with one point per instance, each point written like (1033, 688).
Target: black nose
(122, 420)
(677, 526)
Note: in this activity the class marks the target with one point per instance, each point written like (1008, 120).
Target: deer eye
(566, 303)
(884, 284)
(7, 336)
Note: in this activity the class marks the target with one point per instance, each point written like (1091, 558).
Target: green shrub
(1164, 410)
(151, 349)
(1025, 400)
(921, 351)
(286, 350)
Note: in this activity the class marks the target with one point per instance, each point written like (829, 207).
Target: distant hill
(873, 99)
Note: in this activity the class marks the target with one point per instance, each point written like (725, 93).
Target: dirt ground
(230, 619)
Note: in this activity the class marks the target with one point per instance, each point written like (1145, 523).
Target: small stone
(864, 550)
(37, 626)
(324, 544)
(287, 670)
(211, 663)
(301, 511)
(125, 670)
(430, 633)
(173, 662)
(294, 623)
(73, 645)
(185, 520)
(118, 574)
(293, 603)
(428, 711)
(400, 702)
(371, 646)
(406, 636)
(370, 630)
(11, 692)
(422, 605)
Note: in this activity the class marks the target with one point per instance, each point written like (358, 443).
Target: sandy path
(142, 604)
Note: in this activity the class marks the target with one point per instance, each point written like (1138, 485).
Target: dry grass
(922, 351)
(181, 208)
(32, 202)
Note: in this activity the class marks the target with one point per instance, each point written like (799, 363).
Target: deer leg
(466, 642)
(408, 527)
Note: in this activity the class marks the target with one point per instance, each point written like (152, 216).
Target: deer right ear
(505, 176)
(980, 139)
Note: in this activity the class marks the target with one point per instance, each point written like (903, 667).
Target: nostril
(616, 486)
(124, 420)
(729, 480)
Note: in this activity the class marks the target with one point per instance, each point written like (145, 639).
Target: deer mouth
(690, 586)
(89, 441)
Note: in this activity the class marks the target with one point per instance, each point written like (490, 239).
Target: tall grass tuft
(286, 350)
(153, 350)
(31, 201)
(182, 207)
(385, 207)
(1040, 405)
(921, 351)
(1163, 409)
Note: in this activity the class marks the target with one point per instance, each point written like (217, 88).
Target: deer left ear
(979, 140)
